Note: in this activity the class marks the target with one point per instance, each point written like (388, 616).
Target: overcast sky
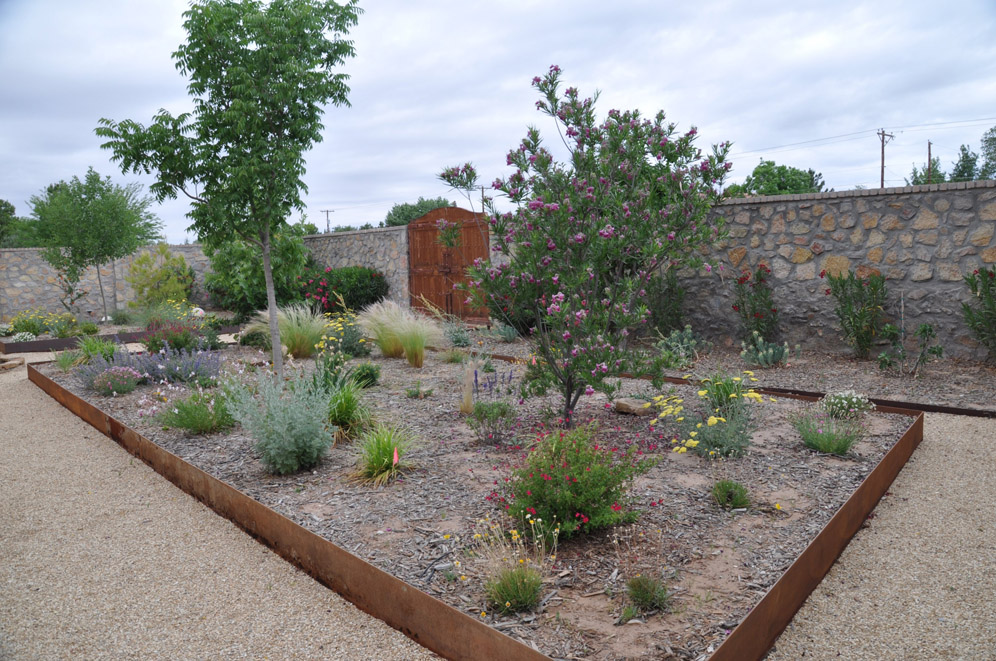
(443, 82)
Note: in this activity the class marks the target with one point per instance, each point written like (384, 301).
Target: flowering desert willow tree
(575, 255)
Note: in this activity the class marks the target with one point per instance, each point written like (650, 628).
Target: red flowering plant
(575, 256)
(328, 289)
(752, 301)
(860, 307)
(570, 482)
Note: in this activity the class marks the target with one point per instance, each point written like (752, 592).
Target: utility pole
(883, 135)
(327, 212)
(929, 161)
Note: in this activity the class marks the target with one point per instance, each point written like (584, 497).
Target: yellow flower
(691, 444)
(733, 395)
(702, 393)
(736, 378)
(446, 536)
(508, 604)
(693, 434)
(687, 376)
(748, 373)
(777, 506)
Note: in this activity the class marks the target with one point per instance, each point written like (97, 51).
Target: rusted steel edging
(60, 343)
(423, 618)
(757, 632)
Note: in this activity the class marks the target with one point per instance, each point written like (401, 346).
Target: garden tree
(770, 179)
(404, 213)
(89, 223)
(966, 168)
(920, 177)
(988, 151)
(260, 74)
(586, 235)
(7, 221)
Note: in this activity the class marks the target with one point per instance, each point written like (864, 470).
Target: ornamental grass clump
(382, 321)
(90, 347)
(415, 333)
(846, 405)
(346, 409)
(116, 381)
(300, 328)
(730, 495)
(383, 451)
(493, 416)
(823, 433)
(200, 413)
(648, 594)
(67, 360)
(980, 313)
(514, 561)
(859, 307)
(753, 303)
(568, 480)
(287, 420)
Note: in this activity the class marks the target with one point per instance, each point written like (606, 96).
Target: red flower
(823, 273)
(828, 292)
(616, 507)
(736, 307)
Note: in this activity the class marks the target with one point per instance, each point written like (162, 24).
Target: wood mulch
(717, 564)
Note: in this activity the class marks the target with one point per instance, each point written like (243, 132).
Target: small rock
(633, 406)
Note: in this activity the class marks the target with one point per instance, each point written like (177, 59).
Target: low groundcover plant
(823, 433)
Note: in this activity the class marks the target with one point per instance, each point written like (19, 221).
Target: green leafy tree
(988, 152)
(261, 74)
(922, 177)
(91, 222)
(404, 213)
(770, 179)
(966, 168)
(586, 236)
(8, 219)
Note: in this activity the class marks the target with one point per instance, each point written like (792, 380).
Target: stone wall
(923, 239)
(384, 249)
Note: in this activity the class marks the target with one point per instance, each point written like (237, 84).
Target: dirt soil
(717, 564)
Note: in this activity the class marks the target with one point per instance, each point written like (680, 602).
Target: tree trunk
(271, 306)
(103, 299)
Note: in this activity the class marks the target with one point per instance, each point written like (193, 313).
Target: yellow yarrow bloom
(702, 393)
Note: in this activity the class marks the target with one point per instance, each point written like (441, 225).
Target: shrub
(761, 353)
(89, 328)
(679, 349)
(29, 321)
(288, 422)
(255, 338)
(341, 289)
(158, 276)
(492, 421)
(823, 433)
(91, 347)
(5, 330)
(415, 333)
(382, 454)
(568, 480)
(980, 316)
(505, 333)
(718, 436)
(382, 321)
(903, 360)
(648, 594)
(859, 308)
(63, 326)
(342, 333)
(514, 589)
(457, 334)
(178, 336)
(116, 381)
(725, 394)
(665, 297)
(366, 375)
(730, 495)
(753, 303)
(235, 280)
(121, 317)
(301, 330)
(180, 366)
(200, 413)
(23, 336)
(846, 405)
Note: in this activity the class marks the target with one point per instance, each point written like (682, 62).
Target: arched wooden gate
(433, 269)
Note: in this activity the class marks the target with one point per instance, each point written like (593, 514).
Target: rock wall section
(383, 249)
(923, 239)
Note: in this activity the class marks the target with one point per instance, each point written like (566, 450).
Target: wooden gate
(433, 269)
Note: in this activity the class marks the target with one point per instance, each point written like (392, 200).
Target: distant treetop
(402, 214)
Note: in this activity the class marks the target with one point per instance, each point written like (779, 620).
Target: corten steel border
(59, 343)
(754, 636)
(423, 618)
(451, 633)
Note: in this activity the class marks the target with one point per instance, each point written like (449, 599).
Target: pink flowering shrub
(586, 235)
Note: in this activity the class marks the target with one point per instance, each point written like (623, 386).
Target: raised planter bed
(61, 343)
(750, 639)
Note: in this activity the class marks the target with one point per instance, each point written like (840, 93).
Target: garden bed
(718, 564)
(122, 334)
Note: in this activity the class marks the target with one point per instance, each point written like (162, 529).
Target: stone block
(790, 215)
(865, 271)
(875, 238)
(799, 227)
(923, 253)
(989, 255)
(785, 251)
(981, 236)
(875, 255)
(817, 210)
(801, 241)
(988, 212)
(921, 272)
(634, 406)
(960, 218)
(778, 224)
(835, 264)
(741, 218)
(926, 220)
(847, 221)
(948, 272)
(857, 236)
(927, 238)
(906, 239)
(801, 255)
(736, 256)
(963, 202)
(869, 220)
(944, 250)
(941, 205)
(891, 222)
(738, 232)
(806, 271)
(959, 237)
(780, 268)
(895, 274)
(766, 211)
(755, 241)
(828, 223)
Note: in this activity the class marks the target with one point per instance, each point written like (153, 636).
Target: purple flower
(550, 245)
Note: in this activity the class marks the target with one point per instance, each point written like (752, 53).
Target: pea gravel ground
(102, 558)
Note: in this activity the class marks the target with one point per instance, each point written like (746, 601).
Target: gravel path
(918, 582)
(100, 558)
